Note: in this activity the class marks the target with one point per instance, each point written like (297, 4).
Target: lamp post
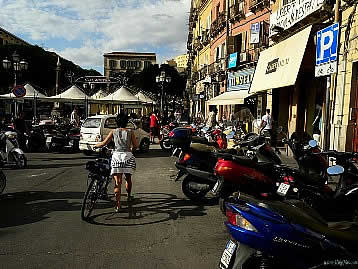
(162, 79)
(16, 64)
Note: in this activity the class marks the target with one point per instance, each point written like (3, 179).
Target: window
(223, 50)
(110, 123)
(112, 63)
(243, 41)
(92, 123)
(208, 22)
(217, 10)
(147, 64)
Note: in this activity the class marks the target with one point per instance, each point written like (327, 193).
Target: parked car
(96, 128)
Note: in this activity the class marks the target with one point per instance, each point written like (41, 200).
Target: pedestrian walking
(266, 127)
(123, 160)
(75, 118)
(211, 120)
(154, 126)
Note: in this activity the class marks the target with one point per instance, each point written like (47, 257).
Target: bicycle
(98, 179)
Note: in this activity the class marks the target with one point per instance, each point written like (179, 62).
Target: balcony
(256, 5)
(237, 12)
(222, 20)
(203, 72)
(206, 37)
(213, 29)
(197, 44)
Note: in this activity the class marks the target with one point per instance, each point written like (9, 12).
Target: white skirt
(123, 162)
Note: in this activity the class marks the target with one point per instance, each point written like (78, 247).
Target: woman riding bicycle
(123, 160)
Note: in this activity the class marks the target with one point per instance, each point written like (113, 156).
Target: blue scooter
(285, 234)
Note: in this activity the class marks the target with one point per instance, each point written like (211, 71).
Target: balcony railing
(222, 20)
(258, 4)
(237, 12)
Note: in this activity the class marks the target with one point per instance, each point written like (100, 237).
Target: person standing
(266, 122)
(75, 118)
(123, 161)
(211, 120)
(154, 126)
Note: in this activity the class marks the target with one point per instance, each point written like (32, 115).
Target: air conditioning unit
(244, 57)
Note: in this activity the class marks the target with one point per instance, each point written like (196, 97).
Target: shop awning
(278, 66)
(229, 98)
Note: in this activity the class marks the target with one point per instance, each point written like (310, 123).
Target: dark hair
(268, 111)
(122, 120)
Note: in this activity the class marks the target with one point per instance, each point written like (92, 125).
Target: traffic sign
(327, 50)
(19, 91)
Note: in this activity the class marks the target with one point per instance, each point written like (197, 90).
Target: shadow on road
(151, 208)
(28, 207)
(54, 165)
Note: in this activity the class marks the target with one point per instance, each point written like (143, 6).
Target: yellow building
(7, 38)
(344, 130)
(182, 61)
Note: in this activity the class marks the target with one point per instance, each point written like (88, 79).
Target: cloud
(94, 27)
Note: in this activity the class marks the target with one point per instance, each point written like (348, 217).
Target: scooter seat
(298, 212)
(202, 148)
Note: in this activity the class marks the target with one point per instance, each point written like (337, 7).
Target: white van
(96, 128)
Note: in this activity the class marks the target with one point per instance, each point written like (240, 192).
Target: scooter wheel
(165, 144)
(194, 195)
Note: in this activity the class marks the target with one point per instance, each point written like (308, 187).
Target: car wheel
(144, 145)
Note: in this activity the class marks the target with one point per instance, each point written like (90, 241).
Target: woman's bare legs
(117, 188)
(129, 184)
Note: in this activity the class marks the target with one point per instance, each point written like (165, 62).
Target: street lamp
(162, 78)
(17, 65)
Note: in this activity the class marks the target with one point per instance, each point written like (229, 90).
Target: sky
(83, 30)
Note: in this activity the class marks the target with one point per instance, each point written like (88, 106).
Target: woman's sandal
(117, 209)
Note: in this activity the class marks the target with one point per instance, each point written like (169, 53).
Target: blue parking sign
(327, 44)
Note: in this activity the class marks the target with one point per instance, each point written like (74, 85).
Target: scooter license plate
(217, 187)
(48, 139)
(228, 254)
(283, 189)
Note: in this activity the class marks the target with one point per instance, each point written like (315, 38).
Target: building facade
(121, 62)
(7, 38)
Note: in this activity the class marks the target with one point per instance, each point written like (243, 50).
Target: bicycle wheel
(89, 200)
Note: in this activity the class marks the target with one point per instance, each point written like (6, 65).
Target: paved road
(40, 225)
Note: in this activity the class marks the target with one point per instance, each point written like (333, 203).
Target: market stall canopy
(229, 98)
(72, 94)
(100, 94)
(30, 94)
(143, 98)
(121, 96)
(278, 65)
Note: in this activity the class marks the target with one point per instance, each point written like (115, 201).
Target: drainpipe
(331, 90)
(344, 67)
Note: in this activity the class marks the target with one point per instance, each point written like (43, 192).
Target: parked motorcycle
(164, 135)
(10, 153)
(35, 140)
(2, 181)
(62, 138)
(285, 234)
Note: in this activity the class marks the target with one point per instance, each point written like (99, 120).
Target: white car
(96, 128)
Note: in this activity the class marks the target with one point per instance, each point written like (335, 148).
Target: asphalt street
(40, 224)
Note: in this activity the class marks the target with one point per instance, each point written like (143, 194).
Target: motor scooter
(10, 153)
(285, 234)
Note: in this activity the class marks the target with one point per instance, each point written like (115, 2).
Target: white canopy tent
(31, 93)
(98, 95)
(121, 96)
(143, 98)
(70, 95)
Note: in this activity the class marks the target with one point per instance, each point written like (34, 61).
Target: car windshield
(92, 123)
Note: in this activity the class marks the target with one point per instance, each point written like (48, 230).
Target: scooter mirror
(312, 143)
(335, 170)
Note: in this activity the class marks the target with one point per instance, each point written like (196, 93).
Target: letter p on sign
(327, 44)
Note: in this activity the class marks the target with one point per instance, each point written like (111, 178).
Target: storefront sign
(276, 64)
(240, 80)
(288, 15)
(255, 33)
(326, 50)
(232, 60)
